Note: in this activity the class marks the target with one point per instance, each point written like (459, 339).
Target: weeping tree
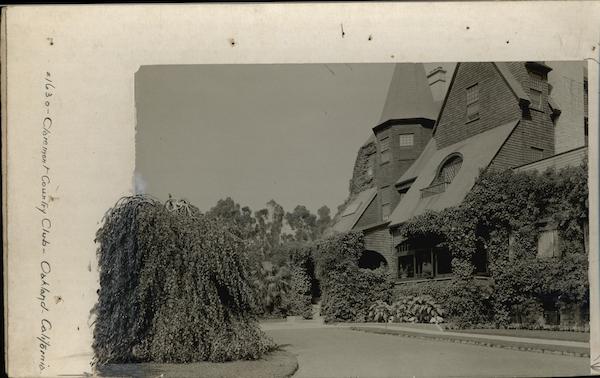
(174, 287)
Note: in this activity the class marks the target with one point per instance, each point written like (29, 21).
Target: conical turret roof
(409, 95)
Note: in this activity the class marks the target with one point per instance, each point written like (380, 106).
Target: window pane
(385, 143)
(424, 267)
(536, 81)
(536, 99)
(472, 94)
(385, 156)
(386, 194)
(536, 154)
(548, 244)
(473, 111)
(406, 266)
(352, 208)
(444, 261)
(385, 210)
(480, 261)
(406, 140)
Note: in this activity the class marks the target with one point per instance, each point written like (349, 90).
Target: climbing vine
(502, 217)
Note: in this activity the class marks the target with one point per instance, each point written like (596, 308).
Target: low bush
(419, 309)
(379, 312)
(463, 302)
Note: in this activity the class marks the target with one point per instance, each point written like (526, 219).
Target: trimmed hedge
(174, 287)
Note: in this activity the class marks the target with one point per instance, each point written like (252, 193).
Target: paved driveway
(339, 352)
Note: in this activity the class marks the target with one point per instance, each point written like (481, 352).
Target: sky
(255, 132)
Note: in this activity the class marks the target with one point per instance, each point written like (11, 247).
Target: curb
(526, 347)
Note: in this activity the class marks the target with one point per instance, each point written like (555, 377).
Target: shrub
(400, 310)
(418, 309)
(379, 312)
(424, 309)
(272, 284)
(298, 300)
(174, 287)
(463, 302)
(347, 290)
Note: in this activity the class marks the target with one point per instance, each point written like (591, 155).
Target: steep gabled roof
(512, 82)
(354, 210)
(409, 95)
(514, 85)
(415, 169)
(477, 153)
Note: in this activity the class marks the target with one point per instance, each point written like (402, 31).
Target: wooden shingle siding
(571, 158)
(498, 105)
(370, 216)
(380, 240)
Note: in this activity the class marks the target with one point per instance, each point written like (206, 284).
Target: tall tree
(324, 220)
(239, 219)
(303, 223)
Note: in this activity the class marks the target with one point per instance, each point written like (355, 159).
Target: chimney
(437, 83)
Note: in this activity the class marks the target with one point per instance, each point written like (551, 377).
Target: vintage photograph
(365, 220)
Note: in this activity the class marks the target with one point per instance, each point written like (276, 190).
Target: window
(386, 201)
(479, 261)
(548, 243)
(536, 154)
(384, 147)
(406, 268)
(536, 99)
(536, 89)
(585, 130)
(443, 261)
(352, 208)
(536, 81)
(473, 102)
(448, 170)
(511, 246)
(370, 165)
(423, 262)
(406, 140)
(386, 210)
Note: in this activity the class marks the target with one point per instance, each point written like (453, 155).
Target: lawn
(534, 334)
(277, 364)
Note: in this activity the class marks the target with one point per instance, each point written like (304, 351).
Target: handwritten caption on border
(43, 208)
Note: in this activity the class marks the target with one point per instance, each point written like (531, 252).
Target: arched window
(446, 173)
(448, 170)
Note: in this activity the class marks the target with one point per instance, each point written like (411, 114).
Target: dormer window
(446, 173)
(472, 102)
(536, 90)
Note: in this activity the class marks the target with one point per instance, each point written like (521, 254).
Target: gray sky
(255, 132)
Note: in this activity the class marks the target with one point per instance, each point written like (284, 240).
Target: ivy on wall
(501, 217)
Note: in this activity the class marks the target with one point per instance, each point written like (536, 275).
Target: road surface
(340, 352)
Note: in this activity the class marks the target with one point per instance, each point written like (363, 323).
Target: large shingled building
(425, 154)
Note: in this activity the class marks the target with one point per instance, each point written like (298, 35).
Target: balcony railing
(434, 189)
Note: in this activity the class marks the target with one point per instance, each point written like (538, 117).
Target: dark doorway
(315, 287)
(371, 260)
